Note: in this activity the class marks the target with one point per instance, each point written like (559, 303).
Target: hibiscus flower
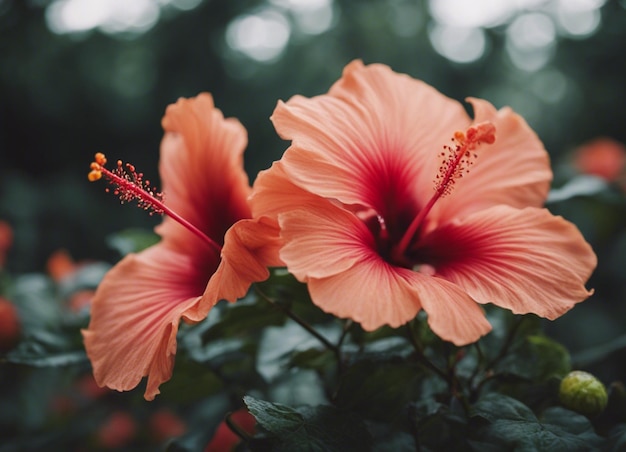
(210, 248)
(391, 200)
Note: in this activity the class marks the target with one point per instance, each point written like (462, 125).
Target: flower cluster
(389, 200)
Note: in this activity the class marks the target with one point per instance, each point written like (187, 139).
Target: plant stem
(300, 321)
(236, 429)
(419, 354)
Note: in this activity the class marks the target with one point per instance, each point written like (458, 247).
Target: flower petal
(515, 170)
(273, 192)
(452, 314)
(202, 170)
(372, 293)
(323, 241)
(333, 251)
(373, 140)
(375, 293)
(135, 315)
(250, 247)
(527, 260)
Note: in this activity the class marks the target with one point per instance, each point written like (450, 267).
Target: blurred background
(81, 76)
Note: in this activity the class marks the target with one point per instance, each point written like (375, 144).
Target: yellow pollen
(94, 175)
(100, 159)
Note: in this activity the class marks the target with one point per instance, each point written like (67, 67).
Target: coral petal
(135, 316)
(527, 260)
(515, 170)
(202, 170)
(358, 144)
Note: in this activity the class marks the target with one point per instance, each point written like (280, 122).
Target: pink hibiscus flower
(210, 249)
(381, 221)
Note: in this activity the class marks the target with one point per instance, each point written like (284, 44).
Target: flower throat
(457, 160)
(129, 185)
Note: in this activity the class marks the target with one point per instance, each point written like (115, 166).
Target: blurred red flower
(603, 157)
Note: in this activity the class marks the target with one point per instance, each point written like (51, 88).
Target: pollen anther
(94, 175)
(459, 158)
(100, 159)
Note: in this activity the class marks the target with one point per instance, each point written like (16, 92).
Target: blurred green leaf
(313, 358)
(379, 390)
(617, 438)
(243, 317)
(46, 359)
(310, 429)
(132, 240)
(536, 358)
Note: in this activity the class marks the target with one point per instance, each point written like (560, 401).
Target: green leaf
(190, 382)
(617, 438)
(503, 423)
(241, 317)
(313, 358)
(536, 358)
(442, 431)
(47, 349)
(43, 359)
(309, 429)
(132, 240)
(274, 417)
(379, 390)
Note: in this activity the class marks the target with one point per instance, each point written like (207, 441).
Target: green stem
(419, 353)
(236, 429)
(488, 374)
(300, 321)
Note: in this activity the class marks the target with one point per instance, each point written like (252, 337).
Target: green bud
(582, 392)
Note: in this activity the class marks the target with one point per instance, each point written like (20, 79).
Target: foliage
(312, 382)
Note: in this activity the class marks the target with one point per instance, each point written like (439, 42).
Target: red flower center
(396, 246)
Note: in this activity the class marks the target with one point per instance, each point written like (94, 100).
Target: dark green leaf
(536, 358)
(617, 439)
(309, 429)
(503, 423)
(313, 358)
(379, 390)
(442, 431)
(240, 318)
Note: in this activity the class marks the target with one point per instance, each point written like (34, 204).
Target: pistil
(457, 161)
(130, 185)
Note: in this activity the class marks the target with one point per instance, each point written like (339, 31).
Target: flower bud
(582, 392)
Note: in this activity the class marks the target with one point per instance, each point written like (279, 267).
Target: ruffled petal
(373, 140)
(135, 315)
(332, 250)
(527, 260)
(372, 293)
(323, 241)
(273, 192)
(250, 247)
(452, 314)
(202, 170)
(515, 170)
